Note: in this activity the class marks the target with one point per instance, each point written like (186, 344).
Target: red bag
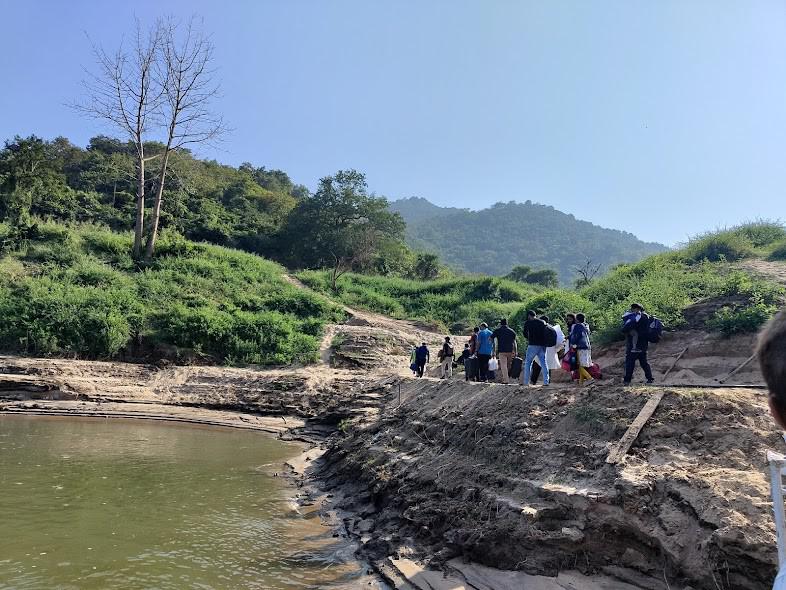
(569, 361)
(595, 371)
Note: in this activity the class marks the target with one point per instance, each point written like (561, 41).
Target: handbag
(493, 364)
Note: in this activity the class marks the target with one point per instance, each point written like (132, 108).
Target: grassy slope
(666, 284)
(75, 290)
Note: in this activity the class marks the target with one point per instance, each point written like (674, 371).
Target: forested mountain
(494, 240)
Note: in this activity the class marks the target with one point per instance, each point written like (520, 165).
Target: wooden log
(630, 436)
(735, 371)
(674, 364)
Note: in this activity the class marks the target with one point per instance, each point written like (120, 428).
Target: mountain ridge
(519, 233)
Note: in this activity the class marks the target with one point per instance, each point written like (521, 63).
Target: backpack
(549, 336)
(448, 352)
(655, 330)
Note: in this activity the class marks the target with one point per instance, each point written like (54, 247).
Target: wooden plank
(735, 371)
(674, 364)
(627, 440)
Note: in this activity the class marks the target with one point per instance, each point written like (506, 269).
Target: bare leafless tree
(188, 82)
(586, 272)
(124, 92)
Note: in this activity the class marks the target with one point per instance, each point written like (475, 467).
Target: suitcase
(595, 371)
(516, 366)
(471, 368)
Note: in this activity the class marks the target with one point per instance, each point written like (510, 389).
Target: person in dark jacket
(505, 348)
(535, 333)
(463, 360)
(638, 353)
(422, 356)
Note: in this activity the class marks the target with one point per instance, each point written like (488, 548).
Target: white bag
(493, 365)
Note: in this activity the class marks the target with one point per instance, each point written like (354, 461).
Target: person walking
(473, 341)
(505, 348)
(422, 356)
(485, 349)
(579, 341)
(552, 356)
(535, 333)
(636, 344)
(447, 356)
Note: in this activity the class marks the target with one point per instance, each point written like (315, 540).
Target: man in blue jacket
(641, 329)
(485, 349)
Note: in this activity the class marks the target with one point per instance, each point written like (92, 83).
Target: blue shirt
(485, 345)
(421, 353)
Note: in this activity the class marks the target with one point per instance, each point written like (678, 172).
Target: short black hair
(503, 321)
(545, 318)
(637, 306)
(771, 350)
(580, 317)
(532, 314)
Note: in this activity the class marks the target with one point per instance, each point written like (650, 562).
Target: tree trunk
(139, 224)
(156, 215)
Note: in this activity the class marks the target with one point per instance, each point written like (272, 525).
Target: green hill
(494, 240)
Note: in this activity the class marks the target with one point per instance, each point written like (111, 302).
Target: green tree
(341, 226)
(519, 273)
(426, 266)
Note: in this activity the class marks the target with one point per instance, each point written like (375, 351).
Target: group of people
(494, 355)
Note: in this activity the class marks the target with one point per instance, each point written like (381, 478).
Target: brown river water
(92, 503)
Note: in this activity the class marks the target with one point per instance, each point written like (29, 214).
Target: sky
(665, 119)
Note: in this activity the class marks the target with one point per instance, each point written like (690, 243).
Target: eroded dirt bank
(516, 479)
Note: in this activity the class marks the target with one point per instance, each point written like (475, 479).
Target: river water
(91, 503)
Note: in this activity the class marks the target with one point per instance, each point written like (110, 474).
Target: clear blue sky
(663, 118)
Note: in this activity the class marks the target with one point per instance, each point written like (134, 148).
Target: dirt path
(773, 270)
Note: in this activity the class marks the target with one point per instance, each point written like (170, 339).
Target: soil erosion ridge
(448, 484)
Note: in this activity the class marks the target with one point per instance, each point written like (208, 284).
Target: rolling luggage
(516, 366)
(471, 368)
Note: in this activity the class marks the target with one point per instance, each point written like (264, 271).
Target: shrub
(74, 290)
(729, 321)
(554, 304)
(761, 233)
(778, 251)
(721, 246)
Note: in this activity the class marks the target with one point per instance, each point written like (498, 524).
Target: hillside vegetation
(666, 284)
(494, 240)
(76, 291)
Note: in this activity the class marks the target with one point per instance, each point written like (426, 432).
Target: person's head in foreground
(545, 318)
(484, 326)
(636, 308)
(447, 339)
(423, 344)
(771, 351)
(503, 322)
(531, 315)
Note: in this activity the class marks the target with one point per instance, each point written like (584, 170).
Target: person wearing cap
(535, 333)
(447, 355)
(505, 347)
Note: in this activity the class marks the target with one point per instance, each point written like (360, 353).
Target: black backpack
(549, 336)
(655, 329)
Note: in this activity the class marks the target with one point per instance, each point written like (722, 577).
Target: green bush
(75, 290)
(761, 233)
(555, 304)
(729, 320)
(721, 246)
(778, 251)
